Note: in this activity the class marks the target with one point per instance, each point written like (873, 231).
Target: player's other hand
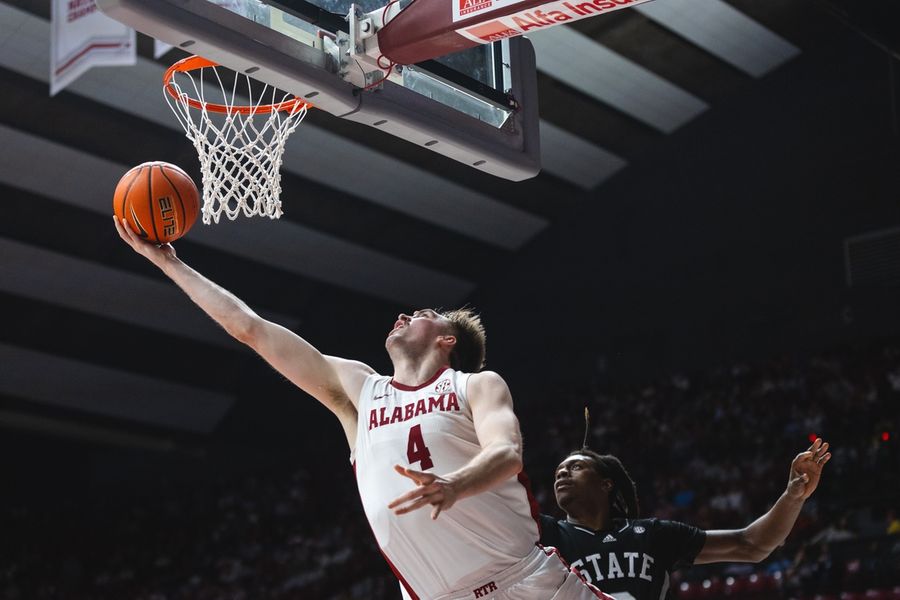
(153, 252)
(431, 489)
(806, 470)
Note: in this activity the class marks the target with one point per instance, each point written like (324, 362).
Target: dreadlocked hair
(623, 502)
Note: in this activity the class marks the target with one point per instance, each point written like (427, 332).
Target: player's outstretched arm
(757, 541)
(330, 380)
(499, 459)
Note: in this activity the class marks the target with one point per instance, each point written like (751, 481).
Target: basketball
(158, 200)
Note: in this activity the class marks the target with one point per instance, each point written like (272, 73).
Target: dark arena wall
(728, 240)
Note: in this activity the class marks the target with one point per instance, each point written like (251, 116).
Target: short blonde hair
(471, 340)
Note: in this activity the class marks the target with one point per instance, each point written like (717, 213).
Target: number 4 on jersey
(416, 450)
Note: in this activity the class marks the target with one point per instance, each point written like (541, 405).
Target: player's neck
(414, 371)
(593, 520)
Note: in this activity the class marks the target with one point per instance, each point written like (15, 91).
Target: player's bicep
(492, 411)
(302, 364)
(726, 545)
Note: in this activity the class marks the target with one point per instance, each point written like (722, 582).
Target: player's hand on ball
(431, 489)
(807, 469)
(148, 250)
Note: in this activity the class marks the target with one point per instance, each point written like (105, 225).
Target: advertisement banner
(531, 19)
(82, 37)
(464, 9)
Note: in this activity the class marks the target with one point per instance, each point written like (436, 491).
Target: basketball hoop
(240, 145)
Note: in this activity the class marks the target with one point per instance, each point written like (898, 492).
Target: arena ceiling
(97, 344)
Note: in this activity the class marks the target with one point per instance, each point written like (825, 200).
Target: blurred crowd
(712, 450)
(246, 539)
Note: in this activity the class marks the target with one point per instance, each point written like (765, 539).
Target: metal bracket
(365, 64)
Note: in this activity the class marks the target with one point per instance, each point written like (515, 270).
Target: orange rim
(193, 63)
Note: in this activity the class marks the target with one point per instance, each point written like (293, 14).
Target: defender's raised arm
(757, 541)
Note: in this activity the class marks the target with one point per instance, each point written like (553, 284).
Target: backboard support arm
(427, 29)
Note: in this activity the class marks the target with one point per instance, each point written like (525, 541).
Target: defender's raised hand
(807, 469)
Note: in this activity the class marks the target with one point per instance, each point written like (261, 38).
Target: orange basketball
(158, 200)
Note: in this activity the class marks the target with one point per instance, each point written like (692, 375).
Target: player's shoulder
(486, 382)
(352, 375)
(366, 380)
(659, 527)
(486, 377)
(551, 522)
(637, 525)
(562, 526)
(553, 530)
(350, 366)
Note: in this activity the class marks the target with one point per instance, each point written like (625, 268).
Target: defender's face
(577, 481)
(424, 325)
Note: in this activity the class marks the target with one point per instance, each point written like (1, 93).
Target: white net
(239, 132)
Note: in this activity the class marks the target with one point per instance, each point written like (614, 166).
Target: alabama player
(439, 433)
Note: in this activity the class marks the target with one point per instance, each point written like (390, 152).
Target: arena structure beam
(426, 29)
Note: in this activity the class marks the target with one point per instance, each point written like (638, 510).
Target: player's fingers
(401, 509)
(822, 449)
(130, 236)
(435, 512)
(419, 492)
(407, 473)
(824, 459)
(401, 470)
(412, 506)
(418, 476)
(121, 229)
(803, 456)
(408, 496)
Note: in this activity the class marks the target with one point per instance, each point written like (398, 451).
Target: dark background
(720, 243)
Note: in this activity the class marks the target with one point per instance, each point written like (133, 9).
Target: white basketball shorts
(542, 575)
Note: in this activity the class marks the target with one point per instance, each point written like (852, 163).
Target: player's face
(577, 482)
(423, 326)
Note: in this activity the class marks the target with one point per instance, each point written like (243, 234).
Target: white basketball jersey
(429, 428)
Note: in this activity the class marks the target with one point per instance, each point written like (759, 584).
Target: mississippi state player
(632, 558)
(433, 435)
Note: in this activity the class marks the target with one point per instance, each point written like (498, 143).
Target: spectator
(893, 527)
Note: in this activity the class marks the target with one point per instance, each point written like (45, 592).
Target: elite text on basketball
(167, 213)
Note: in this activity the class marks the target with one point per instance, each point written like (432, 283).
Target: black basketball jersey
(632, 559)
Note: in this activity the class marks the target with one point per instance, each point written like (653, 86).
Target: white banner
(82, 37)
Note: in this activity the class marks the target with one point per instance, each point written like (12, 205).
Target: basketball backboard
(478, 107)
